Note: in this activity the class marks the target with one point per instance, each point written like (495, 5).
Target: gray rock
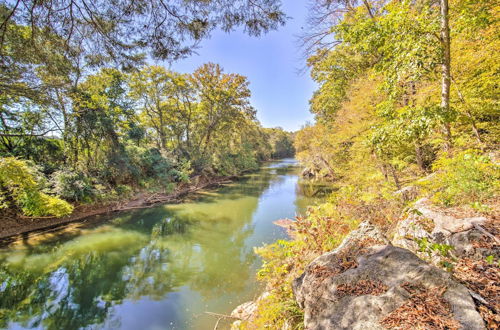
(324, 308)
(443, 223)
(364, 231)
(465, 244)
(428, 222)
(408, 193)
(245, 311)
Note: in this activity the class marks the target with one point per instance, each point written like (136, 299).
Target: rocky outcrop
(366, 283)
(426, 228)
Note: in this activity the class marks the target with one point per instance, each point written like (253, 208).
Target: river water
(159, 268)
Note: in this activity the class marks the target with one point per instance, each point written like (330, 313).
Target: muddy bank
(14, 227)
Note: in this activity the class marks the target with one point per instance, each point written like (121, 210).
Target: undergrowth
(322, 229)
(465, 178)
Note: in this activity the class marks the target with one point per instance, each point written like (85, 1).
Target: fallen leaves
(484, 279)
(362, 287)
(426, 309)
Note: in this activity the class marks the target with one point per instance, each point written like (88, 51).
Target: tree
(119, 30)
(446, 66)
(101, 116)
(224, 105)
(165, 100)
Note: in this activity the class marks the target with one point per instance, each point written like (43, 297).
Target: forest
(85, 118)
(406, 122)
(406, 107)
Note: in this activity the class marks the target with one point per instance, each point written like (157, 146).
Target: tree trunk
(367, 5)
(395, 176)
(445, 67)
(419, 156)
(469, 114)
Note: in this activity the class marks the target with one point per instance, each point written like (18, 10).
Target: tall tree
(119, 29)
(446, 67)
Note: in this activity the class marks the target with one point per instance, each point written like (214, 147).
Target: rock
(308, 173)
(443, 223)
(356, 287)
(245, 311)
(431, 224)
(468, 244)
(365, 231)
(408, 193)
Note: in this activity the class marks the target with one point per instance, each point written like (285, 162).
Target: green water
(159, 268)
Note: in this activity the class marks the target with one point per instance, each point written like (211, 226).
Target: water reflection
(159, 268)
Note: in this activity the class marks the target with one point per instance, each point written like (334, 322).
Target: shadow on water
(159, 268)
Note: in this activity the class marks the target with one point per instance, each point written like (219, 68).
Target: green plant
(73, 186)
(468, 177)
(20, 183)
(428, 247)
(490, 259)
(37, 204)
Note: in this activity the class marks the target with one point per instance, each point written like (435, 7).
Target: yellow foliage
(18, 182)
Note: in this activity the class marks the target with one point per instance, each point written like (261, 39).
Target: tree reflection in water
(196, 254)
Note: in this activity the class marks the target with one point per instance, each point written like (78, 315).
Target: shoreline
(19, 228)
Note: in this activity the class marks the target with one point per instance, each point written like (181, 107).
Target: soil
(14, 227)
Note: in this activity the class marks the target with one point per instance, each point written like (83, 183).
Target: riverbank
(449, 255)
(434, 242)
(15, 227)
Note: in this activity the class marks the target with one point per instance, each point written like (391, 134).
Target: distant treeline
(116, 132)
(83, 117)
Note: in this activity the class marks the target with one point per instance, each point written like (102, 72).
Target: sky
(270, 62)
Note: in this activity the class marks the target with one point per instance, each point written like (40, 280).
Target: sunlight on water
(159, 268)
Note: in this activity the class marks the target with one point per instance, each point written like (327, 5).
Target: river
(158, 268)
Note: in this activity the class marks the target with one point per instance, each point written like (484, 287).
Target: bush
(73, 186)
(228, 162)
(18, 181)
(320, 231)
(119, 169)
(38, 204)
(154, 165)
(468, 177)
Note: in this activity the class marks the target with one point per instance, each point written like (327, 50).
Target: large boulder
(367, 284)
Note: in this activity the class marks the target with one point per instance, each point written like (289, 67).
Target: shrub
(154, 165)
(38, 204)
(321, 230)
(19, 183)
(119, 169)
(228, 162)
(123, 190)
(467, 177)
(73, 186)
(184, 171)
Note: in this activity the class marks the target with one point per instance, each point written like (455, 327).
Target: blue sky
(280, 95)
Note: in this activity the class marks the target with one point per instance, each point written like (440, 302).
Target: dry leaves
(426, 309)
(362, 287)
(484, 279)
(346, 259)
